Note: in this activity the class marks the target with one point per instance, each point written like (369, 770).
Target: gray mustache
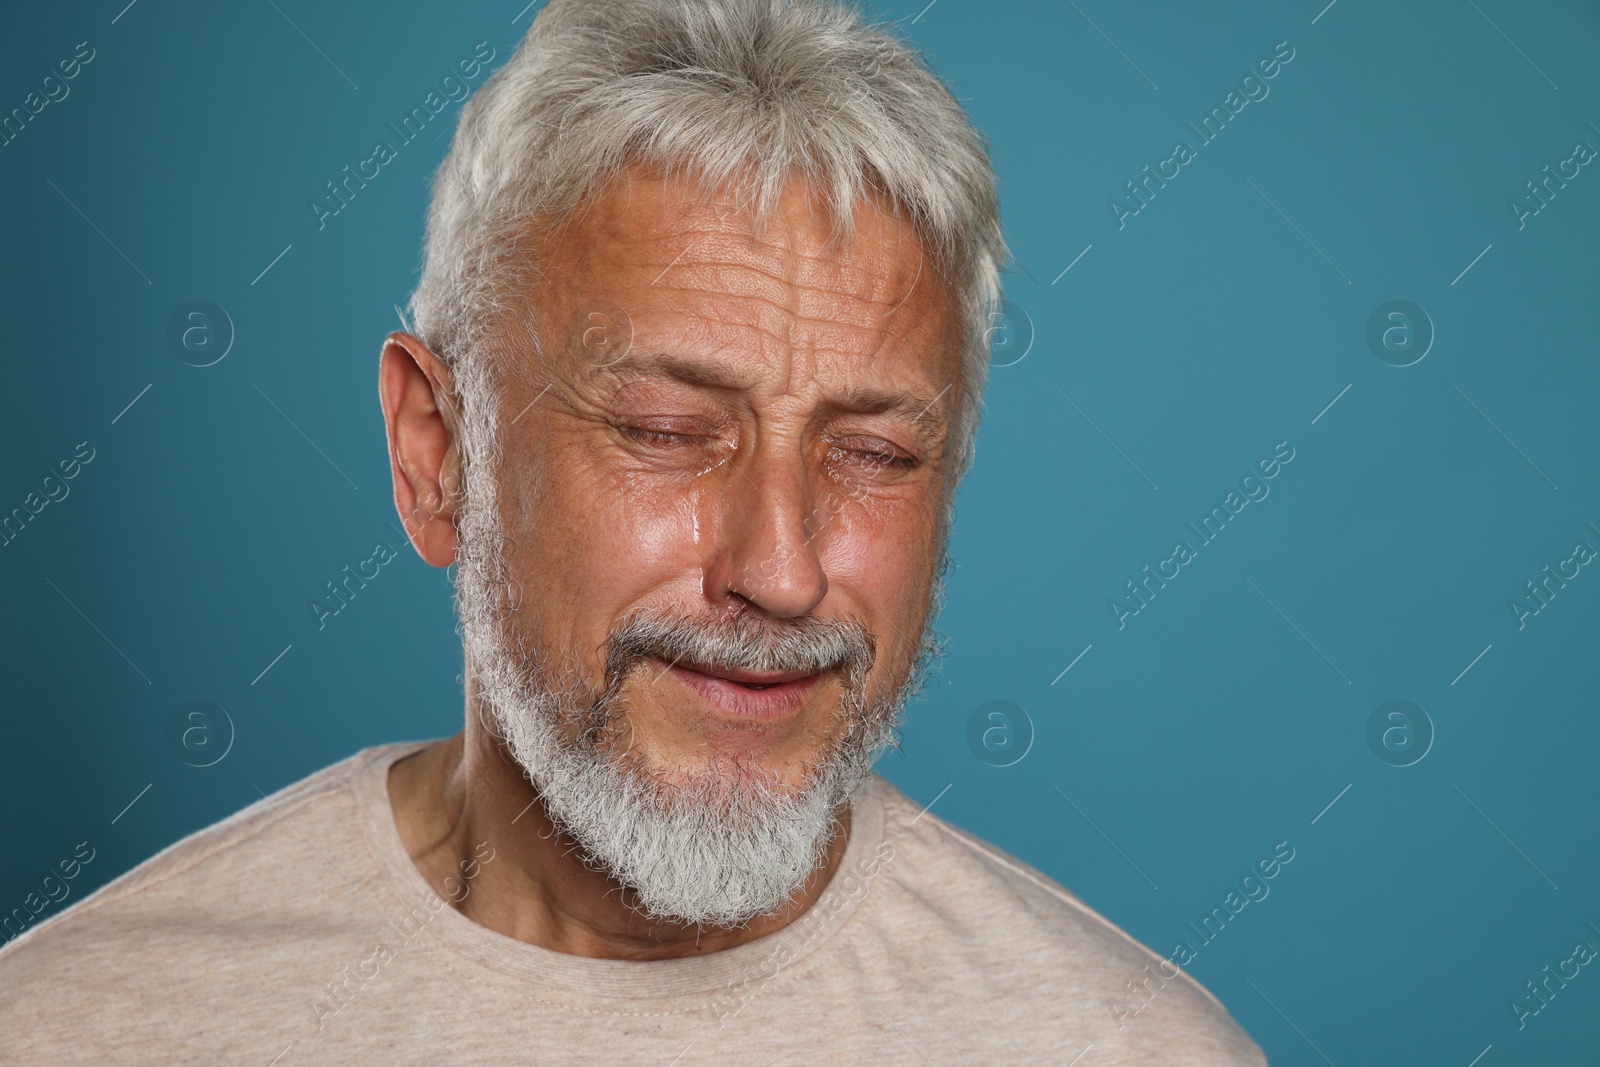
(745, 642)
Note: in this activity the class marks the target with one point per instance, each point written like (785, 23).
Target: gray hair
(732, 93)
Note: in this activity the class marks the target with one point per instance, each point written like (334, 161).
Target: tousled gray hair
(740, 94)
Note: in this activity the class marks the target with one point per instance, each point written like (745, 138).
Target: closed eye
(660, 437)
(886, 459)
(877, 458)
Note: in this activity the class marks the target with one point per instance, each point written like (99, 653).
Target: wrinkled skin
(717, 421)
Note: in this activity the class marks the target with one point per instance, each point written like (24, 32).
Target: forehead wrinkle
(789, 316)
(797, 296)
(854, 295)
(867, 278)
(839, 294)
(870, 268)
(762, 331)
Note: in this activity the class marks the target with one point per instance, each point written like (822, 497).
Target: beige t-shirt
(298, 931)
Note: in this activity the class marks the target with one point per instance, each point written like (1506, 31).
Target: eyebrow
(864, 400)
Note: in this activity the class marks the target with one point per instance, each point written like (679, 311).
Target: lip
(730, 692)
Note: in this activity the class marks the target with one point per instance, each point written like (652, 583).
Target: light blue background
(1208, 329)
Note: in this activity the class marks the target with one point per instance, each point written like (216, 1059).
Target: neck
(464, 799)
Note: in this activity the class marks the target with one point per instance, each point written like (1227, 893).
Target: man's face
(726, 427)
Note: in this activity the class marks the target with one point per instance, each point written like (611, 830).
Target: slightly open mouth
(767, 695)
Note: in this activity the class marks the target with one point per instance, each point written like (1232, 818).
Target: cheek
(597, 541)
(885, 552)
(650, 533)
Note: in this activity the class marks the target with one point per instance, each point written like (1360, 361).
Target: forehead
(693, 271)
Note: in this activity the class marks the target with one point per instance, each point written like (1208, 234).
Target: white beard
(715, 847)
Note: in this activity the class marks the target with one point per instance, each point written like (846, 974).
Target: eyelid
(872, 446)
(867, 441)
(650, 433)
(675, 425)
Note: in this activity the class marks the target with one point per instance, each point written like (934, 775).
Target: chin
(724, 778)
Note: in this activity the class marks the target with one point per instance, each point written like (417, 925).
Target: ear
(421, 417)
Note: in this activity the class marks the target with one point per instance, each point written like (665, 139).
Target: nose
(765, 553)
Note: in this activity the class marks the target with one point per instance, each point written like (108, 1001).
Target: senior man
(698, 354)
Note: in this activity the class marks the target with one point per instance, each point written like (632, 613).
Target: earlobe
(415, 389)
